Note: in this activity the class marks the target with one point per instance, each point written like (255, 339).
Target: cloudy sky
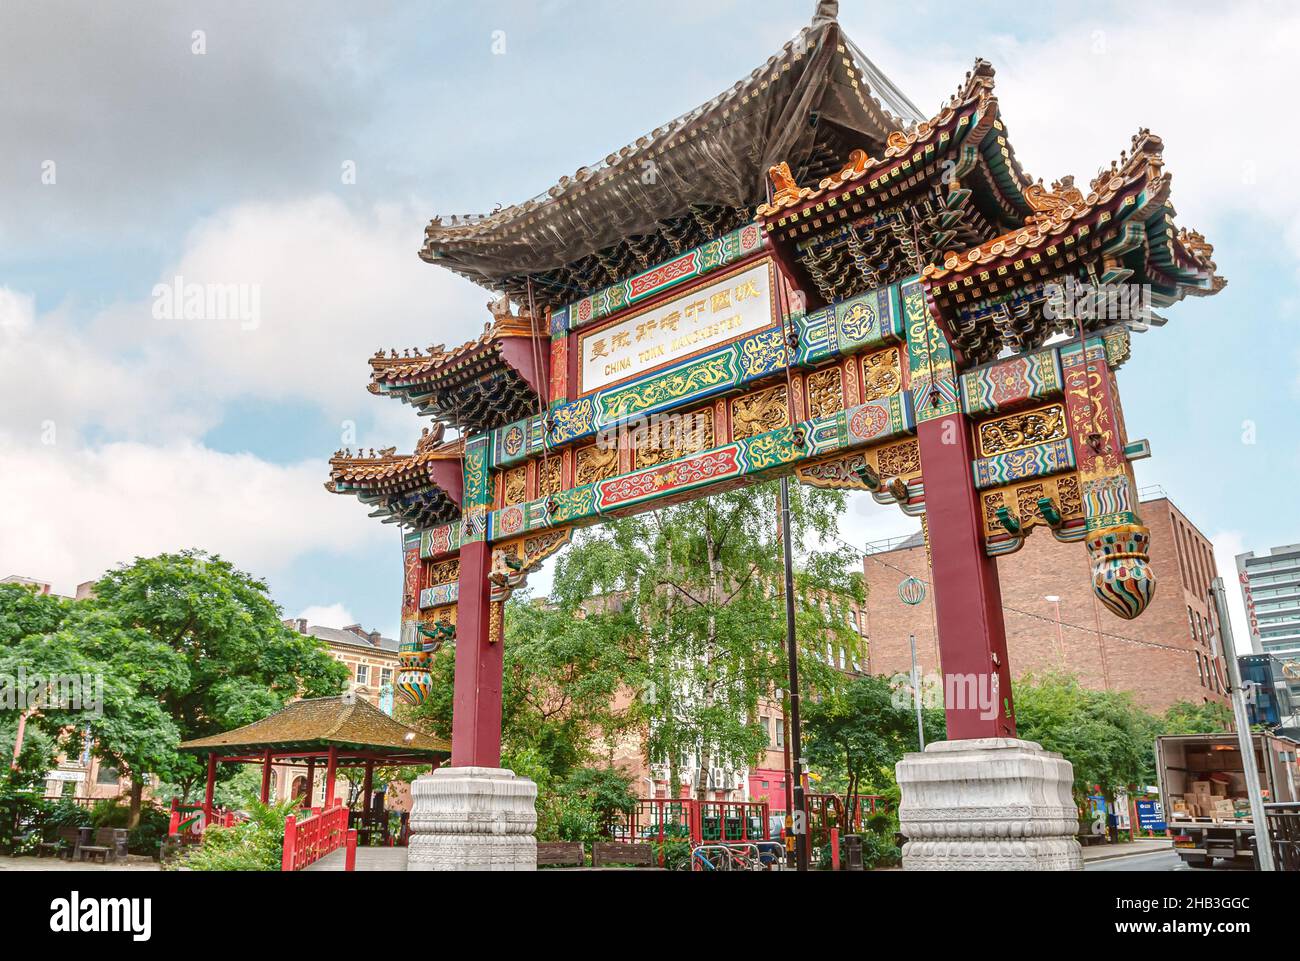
(209, 141)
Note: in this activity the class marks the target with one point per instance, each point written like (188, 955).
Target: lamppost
(1060, 635)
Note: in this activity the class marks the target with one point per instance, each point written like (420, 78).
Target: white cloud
(333, 285)
(330, 615)
(73, 513)
(1227, 545)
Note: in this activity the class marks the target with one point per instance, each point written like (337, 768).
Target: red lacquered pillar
(476, 703)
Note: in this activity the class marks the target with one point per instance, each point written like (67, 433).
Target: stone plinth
(994, 803)
(472, 819)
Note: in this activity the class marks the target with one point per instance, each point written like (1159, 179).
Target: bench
(560, 854)
(1086, 839)
(107, 841)
(65, 839)
(612, 852)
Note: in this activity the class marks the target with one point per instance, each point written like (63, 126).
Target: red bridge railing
(189, 821)
(321, 832)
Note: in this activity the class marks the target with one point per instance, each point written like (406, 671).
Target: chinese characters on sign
(706, 317)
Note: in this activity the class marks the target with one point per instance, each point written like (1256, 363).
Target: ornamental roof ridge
(1056, 209)
(976, 88)
(411, 362)
(387, 464)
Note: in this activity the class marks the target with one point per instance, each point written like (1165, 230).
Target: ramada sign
(732, 306)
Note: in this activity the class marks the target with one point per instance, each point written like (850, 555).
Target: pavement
(58, 864)
(1125, 849)
(368, 859)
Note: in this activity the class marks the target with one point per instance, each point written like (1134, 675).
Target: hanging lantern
(911, 591)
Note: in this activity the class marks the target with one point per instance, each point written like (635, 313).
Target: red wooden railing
(188, 821)
(321, 832)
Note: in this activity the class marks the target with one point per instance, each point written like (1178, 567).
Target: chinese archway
(826, 290)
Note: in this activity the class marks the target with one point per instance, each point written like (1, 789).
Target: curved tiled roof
(815, 93)
(324, 722)
(1058, 211)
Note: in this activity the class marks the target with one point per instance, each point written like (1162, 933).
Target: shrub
(253, 845)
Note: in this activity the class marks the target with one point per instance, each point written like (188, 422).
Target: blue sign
(1150, 817)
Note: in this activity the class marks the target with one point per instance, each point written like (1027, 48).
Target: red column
(266, 777)
(211, 787)
(369, 787)
(310, 793)
(476, 702)
(967, 597)
(331, 769)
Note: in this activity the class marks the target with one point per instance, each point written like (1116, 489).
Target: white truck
(1203, 791)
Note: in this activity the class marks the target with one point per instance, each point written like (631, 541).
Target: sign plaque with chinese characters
(708, 316)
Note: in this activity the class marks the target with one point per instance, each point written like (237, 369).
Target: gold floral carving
(444, 572)
(898, 460)
(514, 486)
(881, 374)
(1022, 430)
(1021, 500)
(595, 464)
(496, 623)
(668, 438)
(548, 475)
(826, 392)
(759, 413)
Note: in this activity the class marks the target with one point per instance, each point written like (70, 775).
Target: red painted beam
(967, 596)
(476, 698)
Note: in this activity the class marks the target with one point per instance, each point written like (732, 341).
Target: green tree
(1104, 734)
(1187, 717)
(694, 593)
(855, 736)
(242, 663)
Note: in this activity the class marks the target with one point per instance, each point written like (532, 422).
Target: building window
(107, 774)
(780, 732)
(1200, 668)
(385, 675)
(363, 673)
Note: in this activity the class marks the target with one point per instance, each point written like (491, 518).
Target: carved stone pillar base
(472, 819)
(988, 804)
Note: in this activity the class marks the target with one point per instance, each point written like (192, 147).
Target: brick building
(1055, 624)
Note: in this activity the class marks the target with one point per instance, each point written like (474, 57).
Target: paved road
(1155, 861)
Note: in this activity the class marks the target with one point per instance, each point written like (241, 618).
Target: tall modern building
(1270, 589)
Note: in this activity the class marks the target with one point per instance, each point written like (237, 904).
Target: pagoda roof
(423, 488)
(809, 104)
(314, 725)
(952, 180)
(1121, 232)
(494, 379)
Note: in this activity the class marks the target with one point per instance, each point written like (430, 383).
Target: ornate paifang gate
(885, 330)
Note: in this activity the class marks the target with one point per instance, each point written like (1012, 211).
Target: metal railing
(1284, 829)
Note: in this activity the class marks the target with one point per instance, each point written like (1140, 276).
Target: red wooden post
(369, 786)
(211, 787)
(350, 855)
(835, 849)
(476, 700)
(266, 777)
(967, 596)
(290, 841)
(310, 794)
(331, 770)
(174, 824)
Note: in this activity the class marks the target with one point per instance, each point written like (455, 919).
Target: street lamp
(1060, 636)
